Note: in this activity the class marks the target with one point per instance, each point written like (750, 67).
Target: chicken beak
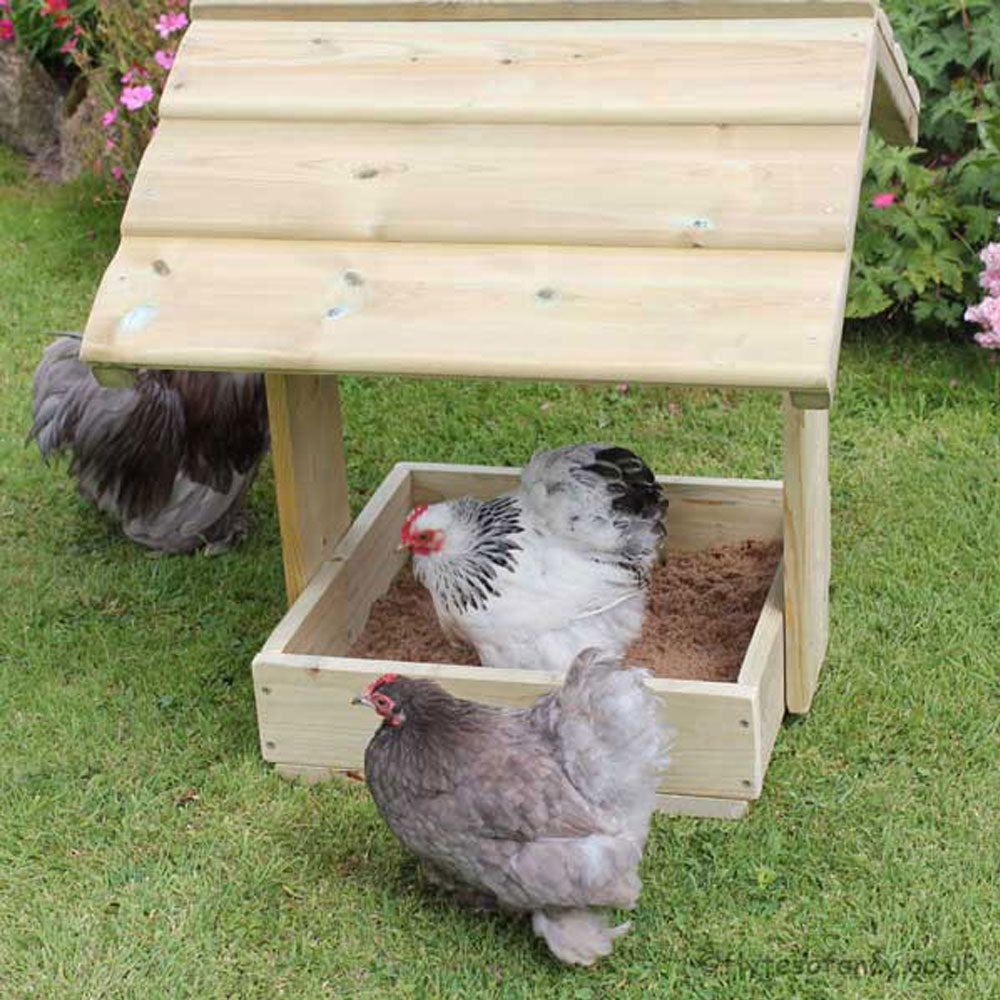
(361, 700)
(401, 546)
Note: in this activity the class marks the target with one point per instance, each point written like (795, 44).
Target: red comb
(410, 518)
(378, 682)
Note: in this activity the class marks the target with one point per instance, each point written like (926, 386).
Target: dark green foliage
(40, 36)
(919, 256)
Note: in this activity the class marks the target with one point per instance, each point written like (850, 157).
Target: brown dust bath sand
(701, 612)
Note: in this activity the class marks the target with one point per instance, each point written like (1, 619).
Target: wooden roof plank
(578, 72)
(897, 99)
(769, 187)
(760, 319)
(492, 10)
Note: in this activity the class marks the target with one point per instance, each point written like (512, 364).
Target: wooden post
(309, 472)
(807, 550)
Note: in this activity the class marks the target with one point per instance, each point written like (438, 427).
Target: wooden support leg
(309, 471)
(807, 550)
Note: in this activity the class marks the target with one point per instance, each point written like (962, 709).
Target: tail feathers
(613, 743)
(130, 445)
(598, 496)
(577, 937)
(61, 385)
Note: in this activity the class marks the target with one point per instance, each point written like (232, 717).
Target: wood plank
(764, 671)
(491, 10)
(309, 472)
(360, 571)
(305, 715)
(707, 318)
(702, 806)
(807, 551)
(807, 71)
(769, 187)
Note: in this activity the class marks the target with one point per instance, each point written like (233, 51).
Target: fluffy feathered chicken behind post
(171, 458)
(560, 564)
(542, 810)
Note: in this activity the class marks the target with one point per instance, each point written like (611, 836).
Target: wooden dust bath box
(303, 682)
(659, 191)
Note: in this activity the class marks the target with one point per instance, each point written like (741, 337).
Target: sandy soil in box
(702, 610)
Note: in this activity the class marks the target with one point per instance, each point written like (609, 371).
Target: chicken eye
(382, 702)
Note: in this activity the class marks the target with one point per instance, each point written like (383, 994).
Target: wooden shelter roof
(598, 189)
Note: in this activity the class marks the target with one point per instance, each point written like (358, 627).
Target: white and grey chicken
(559, 565)
(171, 457)
(543, 810)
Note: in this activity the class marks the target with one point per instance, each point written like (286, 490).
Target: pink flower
(109, 117)
(135, 97)
(165, 58)
(990, 278)
(51, 6)
(68, 46)
(117, 172)
(6, 28)
(884, 199)
(987, 315)
(109, 144)
(167, 24)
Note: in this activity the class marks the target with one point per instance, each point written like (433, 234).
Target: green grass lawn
(147, 852)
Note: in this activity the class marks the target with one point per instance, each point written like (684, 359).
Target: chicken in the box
(171, 457)
(560, 564)
(543, 810)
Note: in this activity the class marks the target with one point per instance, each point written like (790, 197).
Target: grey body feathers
(171, 458)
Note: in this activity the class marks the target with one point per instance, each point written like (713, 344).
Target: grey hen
(542, 810)
(171, 458)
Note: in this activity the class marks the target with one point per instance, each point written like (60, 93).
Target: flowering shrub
(124, 49)
(138, 45)
(47, 30)
(987, 313)
(926, 210)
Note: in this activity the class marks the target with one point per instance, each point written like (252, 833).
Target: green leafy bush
(927, 211)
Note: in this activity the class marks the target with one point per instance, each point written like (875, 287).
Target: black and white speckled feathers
(472, 577)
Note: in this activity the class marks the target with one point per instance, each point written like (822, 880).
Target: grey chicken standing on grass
(543, 810)
(171, 457)
(558, 565)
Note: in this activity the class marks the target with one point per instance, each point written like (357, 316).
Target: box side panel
(763, 671)
(306, 717)
(704, 806)
(334, 608)
(702, 511)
